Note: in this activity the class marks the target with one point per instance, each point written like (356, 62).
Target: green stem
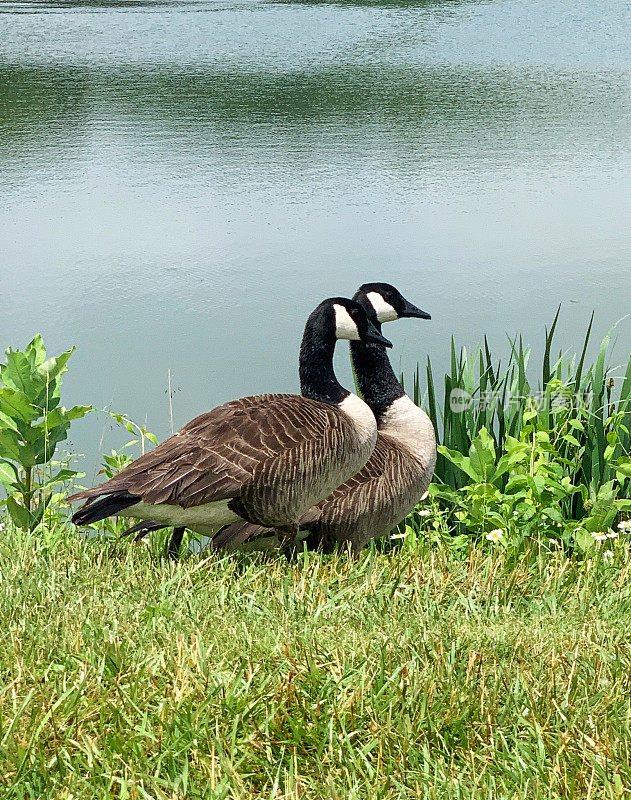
(28, 491)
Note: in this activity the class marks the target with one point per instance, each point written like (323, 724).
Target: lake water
(182, 182)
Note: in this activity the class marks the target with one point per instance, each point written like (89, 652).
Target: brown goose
(264, 459)
(397, 474)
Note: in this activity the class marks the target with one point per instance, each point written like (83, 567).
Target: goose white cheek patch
(345, 328)
(384, 311)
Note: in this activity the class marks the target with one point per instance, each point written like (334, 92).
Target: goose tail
(98, 508)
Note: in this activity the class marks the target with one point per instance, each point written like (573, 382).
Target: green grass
(411, 674)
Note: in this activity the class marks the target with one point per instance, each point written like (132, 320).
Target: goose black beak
(411, 310)
(373, 336)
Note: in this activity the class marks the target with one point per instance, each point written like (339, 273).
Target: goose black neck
(378, 385)
(317, 378)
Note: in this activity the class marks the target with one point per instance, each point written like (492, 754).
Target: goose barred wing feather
(373, 501)
(220, 454)
(368, 504)
(371, 487)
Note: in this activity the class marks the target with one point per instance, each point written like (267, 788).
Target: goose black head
(347, 319)
(387, 302)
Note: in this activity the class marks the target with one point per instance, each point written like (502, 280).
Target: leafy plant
(137, 430)
(594, 420)
(551, 462)
(32, 424)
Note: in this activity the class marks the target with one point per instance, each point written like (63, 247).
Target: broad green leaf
(584, 540)
(9, 445)
(63, 416)
(49, 398)
(18, 373)
(444, 492)
(462, 462)
(510, 460)
(482, 455)
(60, 477)
(623, 467)
(44, 448)
(7, 422)
(16, 405)
(56, 366)
(77, 412)
(9, 476)
(27, 455)
(529, 414)
(36, 351)
(19, 513)
(554, 514)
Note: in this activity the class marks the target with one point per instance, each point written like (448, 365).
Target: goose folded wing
(367, 491)
(216, 455)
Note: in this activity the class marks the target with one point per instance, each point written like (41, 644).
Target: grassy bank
(486, 654)
(417, 674)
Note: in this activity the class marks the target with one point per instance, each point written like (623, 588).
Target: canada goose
(265, 459)
(397, 474)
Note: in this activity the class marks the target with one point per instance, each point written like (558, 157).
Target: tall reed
(590, 405)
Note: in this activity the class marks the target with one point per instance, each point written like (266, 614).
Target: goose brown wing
(370, 490)
(359, 496)
(216, 455)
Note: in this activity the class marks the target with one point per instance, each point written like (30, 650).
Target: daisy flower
(496, 535)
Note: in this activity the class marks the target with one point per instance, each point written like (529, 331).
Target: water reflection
(378, 3)
(405, 117)
(38, 6)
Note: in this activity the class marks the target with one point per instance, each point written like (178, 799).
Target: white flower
(608, 556)
(496, 535)
(625, 526)
(613, 535)
(398, 536)
(599, 536)
(425, 496)
(424, 513)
